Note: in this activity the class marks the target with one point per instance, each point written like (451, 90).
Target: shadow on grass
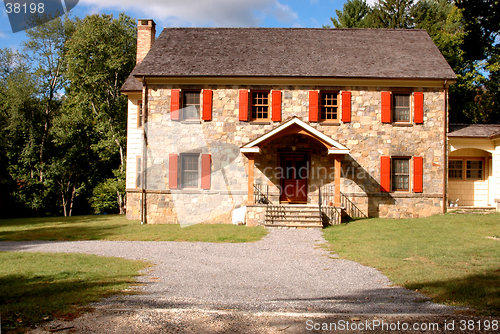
(480, 291)
(63, 233)
(25, 301)
(10, 222)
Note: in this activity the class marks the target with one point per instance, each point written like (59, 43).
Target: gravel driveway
(286, 271)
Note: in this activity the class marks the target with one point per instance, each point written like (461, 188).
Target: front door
(294, 178)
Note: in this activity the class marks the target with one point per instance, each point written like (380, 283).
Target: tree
(394, 14)
(481, 46)
(46, 45)
(20, 132)
(101, 55)
(353, 15)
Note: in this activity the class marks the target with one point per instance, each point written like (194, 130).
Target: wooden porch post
(250, 178)
(338, 167)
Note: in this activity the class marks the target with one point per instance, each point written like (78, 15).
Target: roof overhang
(307, 81)
(291, 127)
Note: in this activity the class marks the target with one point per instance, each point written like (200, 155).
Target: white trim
(334, 151)
(337, 148)
(255, 149)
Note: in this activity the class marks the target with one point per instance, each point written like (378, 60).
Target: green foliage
(481, 46)
(62, 116)
(36, 287)
(108, 195)
(101, 55)
(393, 14)
(353, 15)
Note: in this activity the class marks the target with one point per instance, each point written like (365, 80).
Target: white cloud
(221, 13)
(3, 35)
(371, 2)
(284, 14)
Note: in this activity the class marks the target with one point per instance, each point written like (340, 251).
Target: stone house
(474, 165)
(293, 127)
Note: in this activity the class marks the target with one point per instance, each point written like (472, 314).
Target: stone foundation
(255, 215)
(161, 209)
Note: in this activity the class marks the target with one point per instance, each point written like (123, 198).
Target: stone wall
(162, 207)
(366, 137)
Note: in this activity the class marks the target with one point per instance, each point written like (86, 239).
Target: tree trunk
(72, 200)
(64, 204)
(120, 202)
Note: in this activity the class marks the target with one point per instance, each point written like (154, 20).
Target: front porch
(294, 174)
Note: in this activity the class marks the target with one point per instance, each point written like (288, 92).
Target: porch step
(294, 216)
(472, 209)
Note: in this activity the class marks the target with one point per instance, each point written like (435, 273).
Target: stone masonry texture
(367, 138)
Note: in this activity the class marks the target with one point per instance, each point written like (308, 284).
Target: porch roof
(294, 126)
(490, 131)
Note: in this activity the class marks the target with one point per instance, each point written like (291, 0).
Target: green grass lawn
(117, 227)
(446, 257)
(37, 287)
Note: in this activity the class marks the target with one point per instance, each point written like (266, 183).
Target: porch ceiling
(294, 126)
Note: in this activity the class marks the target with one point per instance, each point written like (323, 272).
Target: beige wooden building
(474, 165)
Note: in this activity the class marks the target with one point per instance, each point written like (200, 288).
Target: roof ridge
(299, 28)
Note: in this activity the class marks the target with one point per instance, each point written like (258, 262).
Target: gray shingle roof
(295, 52)
(474, 130)
(131, 85)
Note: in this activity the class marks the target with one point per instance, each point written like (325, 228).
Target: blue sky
(201, 13)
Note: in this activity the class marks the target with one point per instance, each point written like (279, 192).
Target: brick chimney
(146, 33)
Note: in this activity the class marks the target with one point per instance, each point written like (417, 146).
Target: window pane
(190, 170)
(140, 116)
(191, 105)
(455, 169)
(260, 105)
(474, 170)
(400, 174)
(329, 106)
(401, 107)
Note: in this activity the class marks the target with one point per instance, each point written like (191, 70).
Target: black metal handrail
(333, 214)
(352, 210)
(319, 201)
(259, 196)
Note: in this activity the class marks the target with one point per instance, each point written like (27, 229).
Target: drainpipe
(445, 147)
(144, 219)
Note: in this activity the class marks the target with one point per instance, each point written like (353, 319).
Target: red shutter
(243, 105)
(172, 170)
(346, 107)
(418, 174)
(276, 110)
(174, 104)
(206, 163)
(313, 105)
(386, 107)
(418, 100)
(207, 105)
(385, 174)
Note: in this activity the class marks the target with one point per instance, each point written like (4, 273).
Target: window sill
(185, 191)
(191, 121)
(402, 124)
(330, 123)
(259, 122)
